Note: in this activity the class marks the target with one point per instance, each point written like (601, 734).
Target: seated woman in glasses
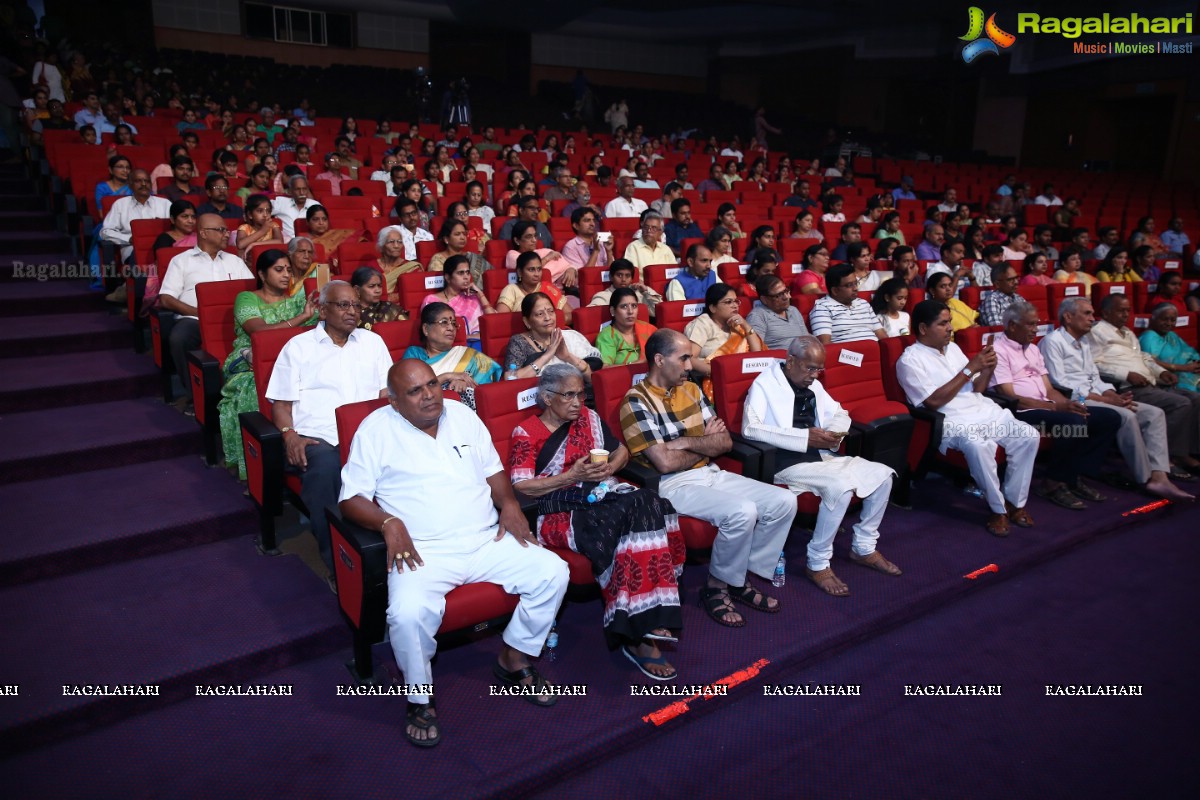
(631, 538)
(545, 343)
(459, 368)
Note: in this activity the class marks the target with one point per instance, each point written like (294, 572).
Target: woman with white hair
(562, 455)
(392, 261)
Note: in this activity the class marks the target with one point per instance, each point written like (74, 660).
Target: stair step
(49, 443)
(22, 201)
(33, 242)
(74, 379)
(26, 221)
(103, 525)
(215, 614)
(52, 334)
(22, 298)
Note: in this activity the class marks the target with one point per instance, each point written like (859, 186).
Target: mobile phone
(838, 434)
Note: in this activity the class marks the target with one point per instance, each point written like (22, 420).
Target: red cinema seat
(214, 302)
(496, 329)
(973, 339)
(414, 287)
(676, 314)
(1037, 296)
(659, 275)
(1057, 292)
(360, 560)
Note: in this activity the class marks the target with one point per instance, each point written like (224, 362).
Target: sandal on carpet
(1061, 496)
(753, 598)
(1085, 492)
(877, 562)
(1019, 517)
(717, 603)
(997, 525)
(516, 679)
(641, 661)
(658, 637)
(419, 717)
(827, 582)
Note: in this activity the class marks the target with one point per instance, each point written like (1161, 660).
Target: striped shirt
(843, 323)
(650, 416)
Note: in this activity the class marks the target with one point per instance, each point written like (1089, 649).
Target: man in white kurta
(424, 472)
(935, 373)
(789, 408)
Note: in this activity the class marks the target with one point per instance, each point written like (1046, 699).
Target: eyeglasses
(346, 305)
(812, 370)
(785, 292)
(446, 322)
(570, 397)
(218, 230)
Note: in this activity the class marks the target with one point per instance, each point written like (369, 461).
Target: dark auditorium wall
(611, 78)
(286, 53)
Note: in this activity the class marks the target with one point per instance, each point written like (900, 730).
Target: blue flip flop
(658, 637)
(641, 661)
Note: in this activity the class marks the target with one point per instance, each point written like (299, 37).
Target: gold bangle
(385, 522)
(289, 322)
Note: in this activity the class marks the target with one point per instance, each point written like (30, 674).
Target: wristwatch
(286, 429)
(966, 371)
(536, 369)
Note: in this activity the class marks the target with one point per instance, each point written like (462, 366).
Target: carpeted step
(53, 442)
(33, 242)
(213, 614)
(54, 334)
(45, 382)
(104, 522)
(22, 201)
(26, 221)
(27, 297)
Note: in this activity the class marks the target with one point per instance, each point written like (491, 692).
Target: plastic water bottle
(1080, 394)
(780, 572)
(511, 375)
(604, 487)
(973, 490)
(552, 641)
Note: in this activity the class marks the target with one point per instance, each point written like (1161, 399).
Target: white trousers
(1020, 442)
(417, 599)
(866, 532)
(752, 518)
(1142, 439)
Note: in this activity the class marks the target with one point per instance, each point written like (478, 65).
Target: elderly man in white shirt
(335, 363)
(789, 408)
(624, 204)
(424, 472)
(1142, 437)
(1120, 358)
(293, 206)
(117, 227)
(204, 263)
(649, 248)
(935, 373)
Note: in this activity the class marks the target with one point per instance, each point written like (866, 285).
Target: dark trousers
(1183, 416)
(185, 336)
(1072, 454)
(320, 484)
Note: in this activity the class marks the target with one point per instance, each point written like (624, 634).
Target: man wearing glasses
(335, 363)
(333, 172)
(650, 249)
(624, 204)
(204, 263)
(789, 408)
(117, 228)
(216, 186)
(774, 318)
(843, 316)
(997, 301)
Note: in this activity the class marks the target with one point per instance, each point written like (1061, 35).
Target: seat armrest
(757, 458)
(646, 477)
(360, 563)
(1002, 400)
(264, 453)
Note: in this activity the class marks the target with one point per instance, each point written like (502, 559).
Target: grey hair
(1161, 308)
(294, 244)
(1016, 311)
(650, 216)
(553, 378)
(327, 288)
(383, 235)
(1070, 305)
(292, 181)
(801, 346)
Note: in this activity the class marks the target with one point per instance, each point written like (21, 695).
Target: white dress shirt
(117, 228)
(287, 212)
(1069, 362)
(317, 376)
(922, 370)
(411, 475)
(194, 267)
(620, 207)
(1118, 353)
(411, 238)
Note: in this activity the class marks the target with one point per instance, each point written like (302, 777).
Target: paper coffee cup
(599, 456)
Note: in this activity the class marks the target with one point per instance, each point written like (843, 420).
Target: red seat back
(590, 320)
(973, 339)
(1057, 292)
(676, 314)
(610, 386)
(348, 418)
(496, 329)
(415, 286)
(732, 376)
(265, 347)
(1037, 296)
(502, 405)
(890, 350)
(659, 275)
(854, 377)
(214, 302)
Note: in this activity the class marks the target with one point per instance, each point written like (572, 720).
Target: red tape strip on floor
(680, 707)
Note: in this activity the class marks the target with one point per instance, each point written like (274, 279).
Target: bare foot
(1164, 488)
